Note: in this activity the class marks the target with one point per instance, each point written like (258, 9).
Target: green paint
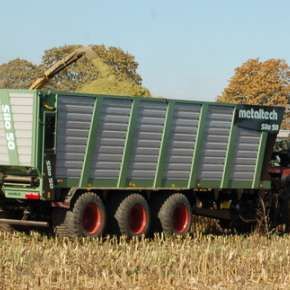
(104, 183)
(165, 140)
(147, 184)
(128, 146)
(260, 159)
(91, 142)
(34, 129)
(229, 153)
(17, 192)
(199, 140)
(233, 184)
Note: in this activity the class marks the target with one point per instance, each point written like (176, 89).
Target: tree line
(115, 72)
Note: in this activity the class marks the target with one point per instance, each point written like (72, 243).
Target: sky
(186, 49)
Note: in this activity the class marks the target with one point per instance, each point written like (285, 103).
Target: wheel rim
(181, 219)
(92, 219)
(138, 219)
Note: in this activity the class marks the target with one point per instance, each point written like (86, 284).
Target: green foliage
(123, 64)
(73, 76)
(112, 71)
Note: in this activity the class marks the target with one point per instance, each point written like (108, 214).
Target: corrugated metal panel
(245, 155)
(147, 139)
(22, 112)
(111, 138)
(74, 119)
(182, 141)
(215, 144)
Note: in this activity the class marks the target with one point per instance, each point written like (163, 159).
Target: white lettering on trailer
(49, 174)
(10, 136)
(260, 114)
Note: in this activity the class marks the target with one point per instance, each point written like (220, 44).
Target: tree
(112, 71)
(112, 63)
(74, 76)
(259, 82)
(18, 73)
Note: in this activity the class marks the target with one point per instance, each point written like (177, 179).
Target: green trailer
(86, 165)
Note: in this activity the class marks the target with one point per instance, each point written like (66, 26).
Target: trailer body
(119, 142)
(54, 143)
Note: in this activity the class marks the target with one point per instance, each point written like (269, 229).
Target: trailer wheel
(132, 216)
(87, 217)
(175, 214)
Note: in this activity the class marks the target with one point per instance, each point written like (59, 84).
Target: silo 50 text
(7, 118)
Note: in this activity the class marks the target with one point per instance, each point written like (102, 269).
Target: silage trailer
(87, 165)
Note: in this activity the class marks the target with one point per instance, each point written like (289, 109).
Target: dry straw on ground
(204, 261)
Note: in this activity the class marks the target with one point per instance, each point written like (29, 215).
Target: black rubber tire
(123, 212)
(87, 218)
(175, 214)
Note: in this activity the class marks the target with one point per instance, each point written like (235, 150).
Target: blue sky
(185, 49)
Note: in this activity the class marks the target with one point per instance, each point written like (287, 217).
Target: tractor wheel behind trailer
(175, 214)
(87, 218)
(130, 215)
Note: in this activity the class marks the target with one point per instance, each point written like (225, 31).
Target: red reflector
(32, 195)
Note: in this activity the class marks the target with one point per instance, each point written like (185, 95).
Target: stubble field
(200, 261)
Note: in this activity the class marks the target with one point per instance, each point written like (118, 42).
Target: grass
(204, 261)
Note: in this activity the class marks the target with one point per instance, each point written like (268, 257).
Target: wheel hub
(91, 219)
(138, 219)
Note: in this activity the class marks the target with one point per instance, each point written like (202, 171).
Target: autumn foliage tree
(18, 73)
(259, 82)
